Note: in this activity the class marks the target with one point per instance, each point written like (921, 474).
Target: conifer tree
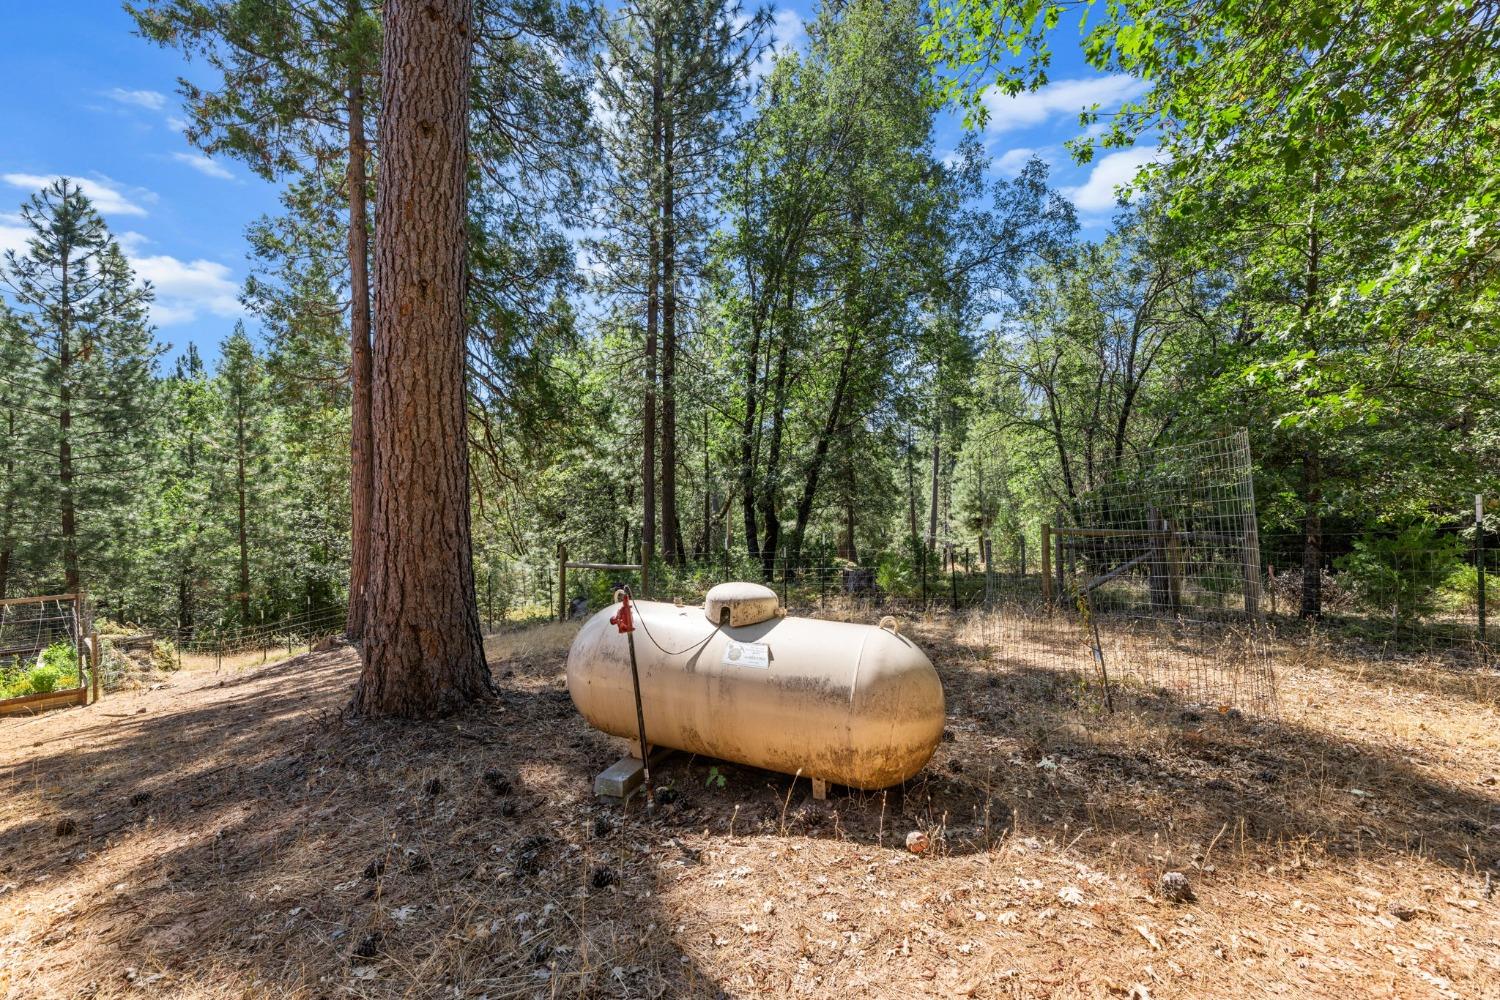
(83, 317)
(179, 502)
(243, 431)
(671, 83)
(294, 96)
(423, 653)
(15, 359)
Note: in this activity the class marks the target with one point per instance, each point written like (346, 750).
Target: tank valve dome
(736, 604)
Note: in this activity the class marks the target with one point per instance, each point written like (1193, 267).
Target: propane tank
(857, 705)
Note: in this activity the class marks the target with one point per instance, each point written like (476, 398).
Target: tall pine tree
(83, 317)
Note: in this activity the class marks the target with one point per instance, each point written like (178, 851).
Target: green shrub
(43, 679)
(61, 656)
(894, 576)
(164, 655)
(1461, 589)
(38, 680)
(1400, 574)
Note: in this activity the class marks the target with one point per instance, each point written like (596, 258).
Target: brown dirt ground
(230, 834)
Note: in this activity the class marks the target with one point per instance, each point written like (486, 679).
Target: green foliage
(78, 360)
(164, 655)
(896, 576)
(1461, 589)
(716, 779)
(56, 669)
(1401, 574)
(61, 656)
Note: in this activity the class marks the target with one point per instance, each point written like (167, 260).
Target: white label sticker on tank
(747, 654)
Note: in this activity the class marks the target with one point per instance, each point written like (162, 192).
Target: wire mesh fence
(42, 646)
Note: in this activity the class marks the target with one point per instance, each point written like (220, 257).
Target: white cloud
(131, 241)
(105, 194)
(13, 233)
(151, 100)
(1011, 161)
(177, 124)
(1097, 194)
(204, 165)
(787, 32)
(184, 289)
(1065, 97)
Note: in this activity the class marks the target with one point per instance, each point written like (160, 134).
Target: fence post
(562, 582)
(1046, 563)
(1479, 557)
(989, 568)
(94, 660)
(645, 568)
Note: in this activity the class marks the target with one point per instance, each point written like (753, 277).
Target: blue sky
(88, 98)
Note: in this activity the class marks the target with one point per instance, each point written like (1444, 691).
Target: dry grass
(232, 835)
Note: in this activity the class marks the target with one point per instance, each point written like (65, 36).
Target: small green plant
(715, 779)
(43, 680)
(1400, 574)
(894, 576)
(61, 657)
(1461, 589)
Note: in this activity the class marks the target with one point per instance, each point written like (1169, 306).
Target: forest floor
(230, 834)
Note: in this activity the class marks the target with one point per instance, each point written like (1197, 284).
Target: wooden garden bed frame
(85, 645)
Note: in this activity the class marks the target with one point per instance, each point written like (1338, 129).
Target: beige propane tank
(857, 705)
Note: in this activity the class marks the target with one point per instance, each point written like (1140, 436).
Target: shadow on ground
(253, 839)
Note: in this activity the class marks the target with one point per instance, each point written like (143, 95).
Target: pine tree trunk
(65, 434)
(240, 487)
(423, 653)
(1312, 468)
(911, 488)
(184, 601)
(747, 443)
(671, 543)
(932, 511)
(361, 479)
(708, 525)
(1312, 535)
(653, 308)
(7, 516)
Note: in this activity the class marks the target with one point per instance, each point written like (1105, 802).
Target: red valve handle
(622, 620)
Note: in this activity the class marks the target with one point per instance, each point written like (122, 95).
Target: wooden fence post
(94, 660)
(1047, 562)
(562, 582)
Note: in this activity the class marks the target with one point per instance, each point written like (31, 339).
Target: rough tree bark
(653, 308)
(240, 485)
(423, 653)
(7, 542)
(361, 472)
(1312, 535)
(1312, 466)
(671, 539)
(932, 510)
